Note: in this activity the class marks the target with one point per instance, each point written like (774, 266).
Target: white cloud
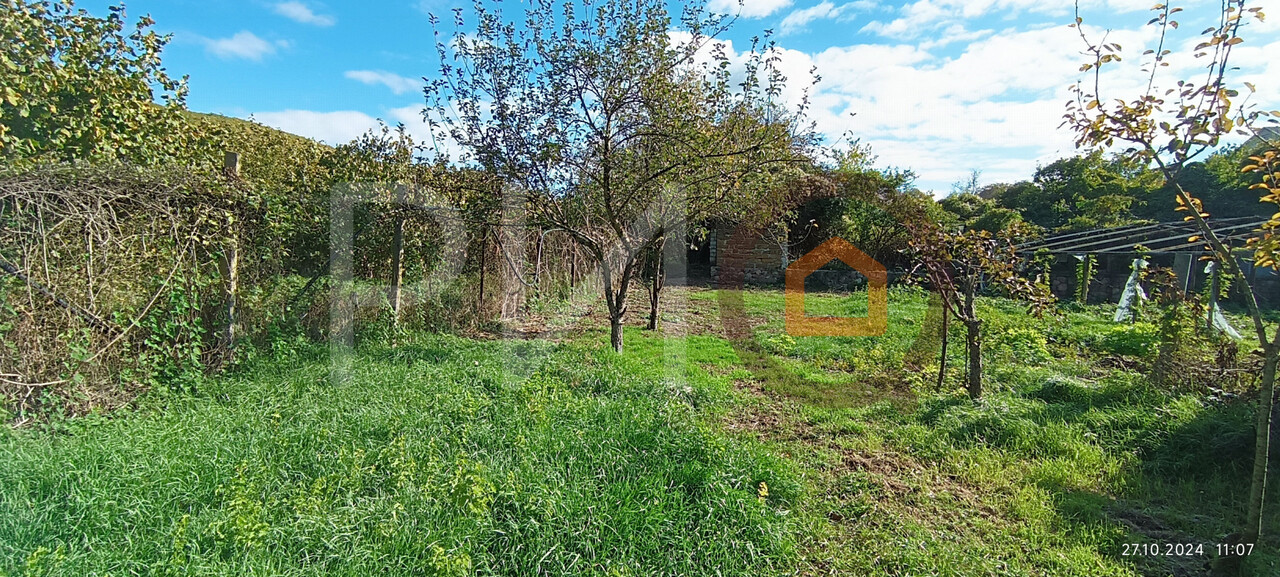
(244, 44)
(923, 16)
(749, 8)
(329, 127)
(993, 101)
(342, 126)
(915, 19)
(299, 12)
(996, 106)
(952, 34)
(398, 84)
(798, 19)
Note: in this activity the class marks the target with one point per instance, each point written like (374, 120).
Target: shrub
(1134, 340)
(172, 352)
(1023, 345)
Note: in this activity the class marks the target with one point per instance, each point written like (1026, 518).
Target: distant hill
(241, 126)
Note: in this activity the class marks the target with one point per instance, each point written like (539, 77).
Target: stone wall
(1112, 272)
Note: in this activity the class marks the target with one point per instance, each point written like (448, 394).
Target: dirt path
(860, 490)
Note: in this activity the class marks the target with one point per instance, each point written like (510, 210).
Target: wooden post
(484, 253)
(231, 259)
(231, 164)
(537, 263)
(1214, 284)
(397, 257)
(942, 358)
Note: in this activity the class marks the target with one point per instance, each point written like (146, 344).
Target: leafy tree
(867, 206)
(1167, 128)
(976, 207)
(1106, 211)
(958, 265)
(966, 206)
(1076, 193)
(74, 86)
(607, 125)
(997, 220)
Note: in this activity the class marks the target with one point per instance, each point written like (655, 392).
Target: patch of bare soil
(915, 486)
(679, 313)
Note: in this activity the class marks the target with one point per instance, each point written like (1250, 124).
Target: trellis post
(231, 258)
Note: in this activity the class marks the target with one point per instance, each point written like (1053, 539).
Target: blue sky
(942, 87)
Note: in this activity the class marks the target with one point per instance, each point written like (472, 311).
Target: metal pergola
(1158, 238)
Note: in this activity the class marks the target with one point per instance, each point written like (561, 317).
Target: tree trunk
(615, 315)
(615, 333)
(655, 288)
(974, 341)
(655, 292)
(1262, 448)
(617, 299)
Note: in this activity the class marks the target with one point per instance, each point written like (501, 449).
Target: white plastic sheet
(1219, 322)
(1132, 294)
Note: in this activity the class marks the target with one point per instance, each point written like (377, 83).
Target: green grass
(441, 457)
(1062, 461)
(449, 456)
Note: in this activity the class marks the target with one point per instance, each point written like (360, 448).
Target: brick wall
(746, 260)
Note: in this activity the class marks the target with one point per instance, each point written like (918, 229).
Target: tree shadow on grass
(1188, 484)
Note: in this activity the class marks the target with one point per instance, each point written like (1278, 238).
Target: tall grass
(449, 456)
(440, 457)
(1072, 452)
